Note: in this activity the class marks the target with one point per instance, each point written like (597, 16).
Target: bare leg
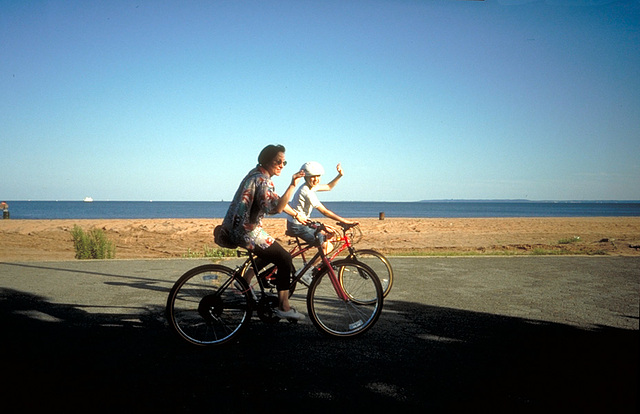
(248, 275)
(283, 299)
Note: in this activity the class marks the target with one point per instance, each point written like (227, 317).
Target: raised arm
(332, 183)
(283, 202)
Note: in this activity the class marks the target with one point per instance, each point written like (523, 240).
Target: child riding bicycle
(305, 200)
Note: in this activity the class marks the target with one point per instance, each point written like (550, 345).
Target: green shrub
(92, 244)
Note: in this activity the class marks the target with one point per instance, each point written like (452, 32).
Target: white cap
(312, 168)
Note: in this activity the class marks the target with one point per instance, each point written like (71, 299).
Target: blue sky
(431, 99)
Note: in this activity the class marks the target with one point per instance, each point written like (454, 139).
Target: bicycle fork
(334, 280)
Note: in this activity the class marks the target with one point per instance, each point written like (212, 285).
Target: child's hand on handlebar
(332, 231)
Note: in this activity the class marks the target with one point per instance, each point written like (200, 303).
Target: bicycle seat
(288, 233)
(221, 238)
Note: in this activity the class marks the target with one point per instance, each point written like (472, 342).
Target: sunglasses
(280, 162)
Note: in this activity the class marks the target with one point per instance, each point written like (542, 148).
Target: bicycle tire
(206, 308)
(339, 317)
(379, 264)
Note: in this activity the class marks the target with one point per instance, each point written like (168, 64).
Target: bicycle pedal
(267, 283)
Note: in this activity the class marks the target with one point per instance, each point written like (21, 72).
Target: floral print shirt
(255, 197)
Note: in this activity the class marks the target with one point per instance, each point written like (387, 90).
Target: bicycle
(212, 304)
(350, 232)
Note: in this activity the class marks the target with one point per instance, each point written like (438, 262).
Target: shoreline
(35, 240)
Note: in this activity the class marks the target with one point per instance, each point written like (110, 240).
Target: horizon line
(441, 200)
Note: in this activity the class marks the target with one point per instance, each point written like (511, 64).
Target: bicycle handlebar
(346, 226)
(317, 226)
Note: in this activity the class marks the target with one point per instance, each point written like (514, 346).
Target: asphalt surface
(481, 334)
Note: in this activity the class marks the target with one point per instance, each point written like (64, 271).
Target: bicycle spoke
(380, 265)
(336, 312)
(204, 308)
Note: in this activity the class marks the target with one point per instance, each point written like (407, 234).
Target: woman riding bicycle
(254, 198)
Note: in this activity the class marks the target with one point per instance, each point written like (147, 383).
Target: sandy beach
(30, 240)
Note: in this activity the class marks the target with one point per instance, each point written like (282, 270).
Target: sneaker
(240, 288)
(291, 314)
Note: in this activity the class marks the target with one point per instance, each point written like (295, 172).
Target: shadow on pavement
(416, 358)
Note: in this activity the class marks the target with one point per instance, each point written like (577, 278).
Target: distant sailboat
(88, 200)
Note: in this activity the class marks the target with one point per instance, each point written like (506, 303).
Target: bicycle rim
(380, 265)
(206, 308)
(335, 316)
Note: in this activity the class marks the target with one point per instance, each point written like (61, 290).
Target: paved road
(457, 334)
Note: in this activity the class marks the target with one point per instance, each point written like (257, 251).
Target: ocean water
(217, 209)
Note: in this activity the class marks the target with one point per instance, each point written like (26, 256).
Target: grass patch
(92, 244)
(211, 252)
(569, 240)
(599, 252)
(450, 253)
(538, 251)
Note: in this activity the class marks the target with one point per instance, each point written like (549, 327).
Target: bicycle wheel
(380, 265)
(206, 308)
(334, 312)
